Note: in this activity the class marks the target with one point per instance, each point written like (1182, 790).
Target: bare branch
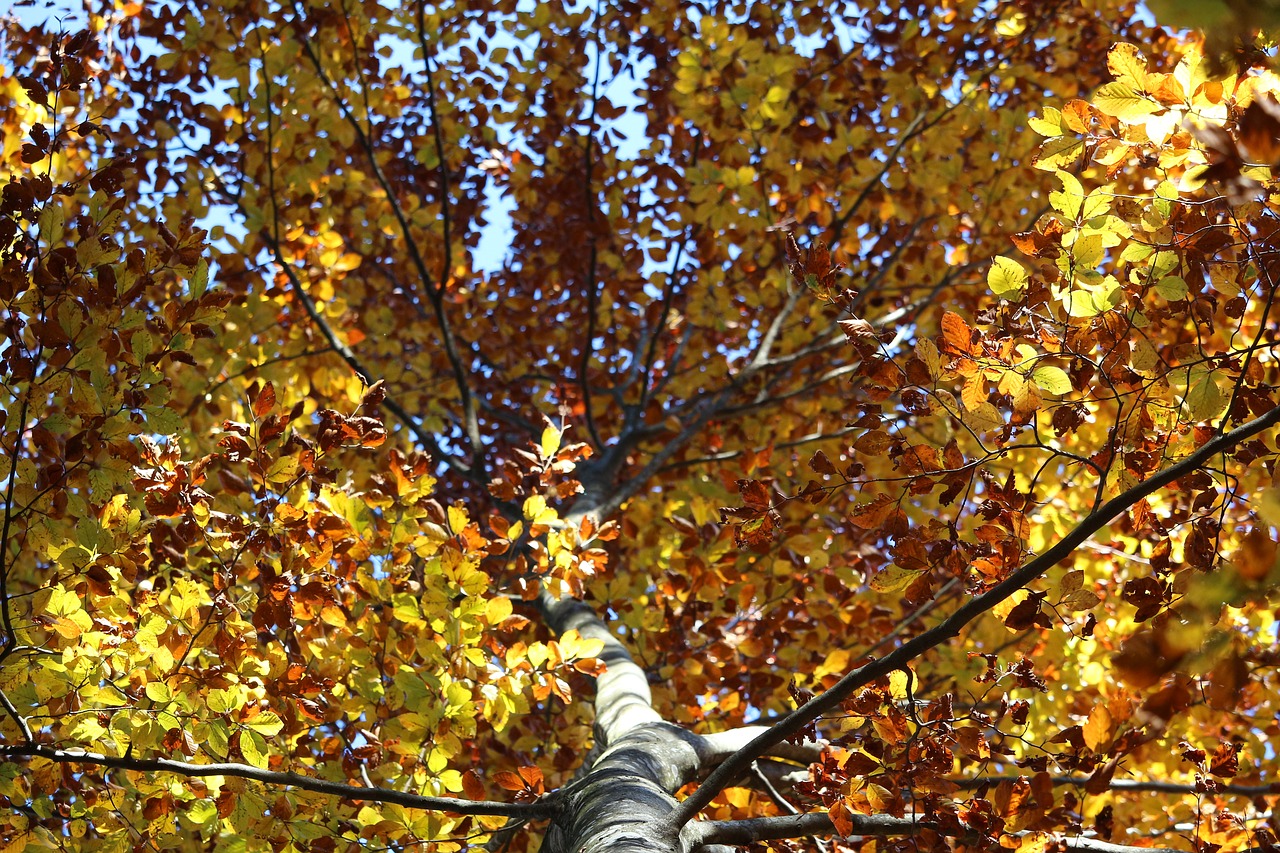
(433, 289)
(425, 438)
(702, 834)
(721, 745)
(295, 780)
(1151, 785)
(950, 627)
(743, 832)
(445, 218)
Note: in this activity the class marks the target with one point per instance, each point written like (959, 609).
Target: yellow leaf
(1127, 64)
(1097, 730)
(1006, 278)
(497, 610)
(893, 579)
(550, 442)
(1124, 102)
(1048, 125)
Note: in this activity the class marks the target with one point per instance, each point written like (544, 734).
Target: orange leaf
(956, 334)
(508, 781)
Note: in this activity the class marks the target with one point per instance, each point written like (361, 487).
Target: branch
(269, 777)
(701, 834)
(1154, 786)
(721, 745)
(950, 627)
(593, 284)
(446, 220)
(743, 832)
(345, 352)
(434, 290)
(273, 241)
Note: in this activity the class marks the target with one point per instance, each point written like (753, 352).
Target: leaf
(1081, 599)
(984, 418)
(893, 579)
(1052, 379)
(267, 724)
(1007, 279)
(550, 442)
(254, 749)
(1124, 102)
(1172, 288)
(159, 692)
(1127, 64)
(1068, 201)
(1049, 124)
(1098, 728)
(1204, 399)
(265, 402)
(1058, 152)
(1080, 303)
(927, 352)
(956, 333)
(509, 781)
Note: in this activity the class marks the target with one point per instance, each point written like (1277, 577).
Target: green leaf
(1097, 203)
(221, 701)
(1088, 251)
(1204, 398)
(1079, 303)
(1172, 288)
(254, 749)
(1052, 379)
(200, 812)
(1163, 263)
(159, 692)
(217, 742)
(200, 280)
(163, 420)
(1006, 278)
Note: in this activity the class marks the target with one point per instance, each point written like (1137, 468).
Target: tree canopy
(637, 426)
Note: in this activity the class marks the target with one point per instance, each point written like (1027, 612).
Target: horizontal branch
(1153, 786)
(743, 832)
(269, 777)
(721, 745)
(703, 834)
(949, 628)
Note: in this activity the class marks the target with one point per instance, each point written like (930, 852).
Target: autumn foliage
(863, 434)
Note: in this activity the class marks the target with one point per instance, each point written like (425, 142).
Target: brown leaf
(1225, 763)
(265, 401)
(1259, 129)
(472, 787)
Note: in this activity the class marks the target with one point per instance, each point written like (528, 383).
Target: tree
(325, 527)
